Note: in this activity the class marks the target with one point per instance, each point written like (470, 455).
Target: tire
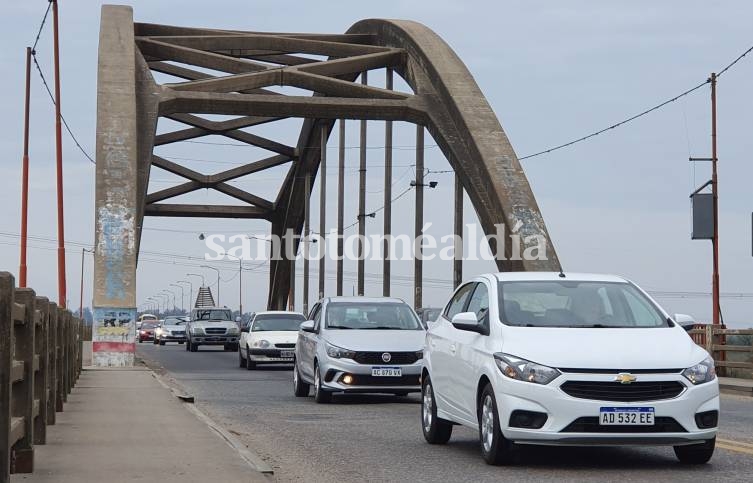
(162, 342)
(154, 341)
(495, 448)
(188, 345)
(241, 360)
(194, 347)
(300, 387)
(696, 454)
(320, 395)
(139, 340)
(250, 365)
(436, 430)
(181, 342)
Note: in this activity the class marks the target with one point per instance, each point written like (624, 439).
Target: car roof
(270, 312)
(352, 299)
(549, 276)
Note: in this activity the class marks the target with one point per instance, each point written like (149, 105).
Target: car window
(315, 315)
(277, 322)
(479, 302)
(457, 304)
(371, 316)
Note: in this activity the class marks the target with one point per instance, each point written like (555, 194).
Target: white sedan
(269, 337)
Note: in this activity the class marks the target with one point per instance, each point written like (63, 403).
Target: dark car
(146, 332)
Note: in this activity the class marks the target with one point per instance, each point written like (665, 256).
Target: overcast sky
(552, 71)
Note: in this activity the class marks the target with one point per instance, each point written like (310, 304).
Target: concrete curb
(736, 390)
(251, 458)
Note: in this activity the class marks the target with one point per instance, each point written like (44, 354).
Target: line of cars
(522, 358)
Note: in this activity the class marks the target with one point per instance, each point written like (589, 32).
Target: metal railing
(714, 340)
(40, 361)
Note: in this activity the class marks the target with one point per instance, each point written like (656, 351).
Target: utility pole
(182, 296)
(340, 205)
(81, 300)
(418, 272)
(25, 175)
(362, 201)
(322, 207)
(59, 158)
(715, 195)
(386, 268)
(305, 239)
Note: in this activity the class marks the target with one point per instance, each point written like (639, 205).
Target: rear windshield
(270, 322)
(371, 316)
(577, 304)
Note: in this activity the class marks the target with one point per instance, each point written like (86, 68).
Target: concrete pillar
(116, 212)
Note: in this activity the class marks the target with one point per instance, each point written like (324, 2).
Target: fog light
(707, 419)
(527, 419)
(347, 379)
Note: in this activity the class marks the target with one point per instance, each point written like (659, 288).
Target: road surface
(378, 438)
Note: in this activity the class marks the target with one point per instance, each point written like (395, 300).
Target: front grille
(398, 358)
(215, 330)
(616, 391)
(179, 333)
(285, 346)
(590, 424)
(367, 380)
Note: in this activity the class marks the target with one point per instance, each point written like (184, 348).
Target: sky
(552, 71)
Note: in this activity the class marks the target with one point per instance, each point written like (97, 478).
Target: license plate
(287, 354)
(386, 371)
(636, 416)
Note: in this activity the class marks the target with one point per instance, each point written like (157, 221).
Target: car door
(470, 350)
(441, 341)
(306, 346)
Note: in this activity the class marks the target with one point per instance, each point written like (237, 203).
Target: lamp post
(197, 275)
(190, 291)
(168, 293)
(240, 284)
(218, 282)
(81, 294)
(182, 297)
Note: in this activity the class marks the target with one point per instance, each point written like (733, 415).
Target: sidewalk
(731, 385)
(122, 425)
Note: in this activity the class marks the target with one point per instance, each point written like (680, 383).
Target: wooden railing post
(42, 363)
(22, 457)
(59, 368)
(52, 385)
(7, 289)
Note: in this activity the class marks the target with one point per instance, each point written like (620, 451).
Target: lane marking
(735, 446)
(732, 442)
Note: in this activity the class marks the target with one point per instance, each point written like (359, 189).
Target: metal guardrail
(40, 361)
(714, 340)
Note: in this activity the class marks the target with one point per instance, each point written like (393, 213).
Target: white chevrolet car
(269, 337)
(566, 359)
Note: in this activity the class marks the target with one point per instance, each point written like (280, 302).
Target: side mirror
(307, 326)
(687, 322)
(244, 328)
(238, 319)
(468, 321)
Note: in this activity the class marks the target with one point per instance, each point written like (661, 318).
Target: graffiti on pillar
(114, 336)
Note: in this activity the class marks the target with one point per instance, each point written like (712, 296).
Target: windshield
(212, 314)
(577, 304)
(277, 322)
(374, 316)
(148, 325)
(174, 321)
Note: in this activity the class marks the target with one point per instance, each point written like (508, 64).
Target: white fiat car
(269, 338)
(566, 359)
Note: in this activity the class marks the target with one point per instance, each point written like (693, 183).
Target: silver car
(359, 345)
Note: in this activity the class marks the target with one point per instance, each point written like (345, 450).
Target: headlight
(523, 370)
(232, 330)
(197, 330)
(702, 372)
(262, 344)
(419, 355)
(338, 352)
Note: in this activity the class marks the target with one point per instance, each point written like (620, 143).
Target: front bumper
(172, 338)
(334, 370)
(564, 413)
(214, 339)
(270, 355)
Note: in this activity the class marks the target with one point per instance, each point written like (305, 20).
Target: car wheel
(241, 360)
(139, 340)
(320, 395)
(194, 347)
(180, 342)
(250, 365)
(696, 454)
(436, 430)
(154, 341)
(495, 448)
(162, 342)
(300, 388)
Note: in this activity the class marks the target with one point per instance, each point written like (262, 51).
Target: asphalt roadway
(378, 438)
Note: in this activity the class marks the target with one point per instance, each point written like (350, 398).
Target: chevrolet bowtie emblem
(625, 378)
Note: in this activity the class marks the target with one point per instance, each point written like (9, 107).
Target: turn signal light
(347, 379)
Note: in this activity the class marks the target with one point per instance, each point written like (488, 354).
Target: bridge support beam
(116, 210)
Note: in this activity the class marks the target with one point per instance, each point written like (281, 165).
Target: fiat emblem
(386, 357)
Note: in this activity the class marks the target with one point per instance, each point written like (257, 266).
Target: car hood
(174, 327)
(377, 340)
(275, 336)
(649, 348)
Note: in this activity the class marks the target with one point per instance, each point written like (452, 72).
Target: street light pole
(182, 297)
(81, 295)
(190, 291)
(218, 282)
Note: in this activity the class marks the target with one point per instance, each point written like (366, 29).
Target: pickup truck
(212, 326)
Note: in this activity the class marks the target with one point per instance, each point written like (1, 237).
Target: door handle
(453, 348)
